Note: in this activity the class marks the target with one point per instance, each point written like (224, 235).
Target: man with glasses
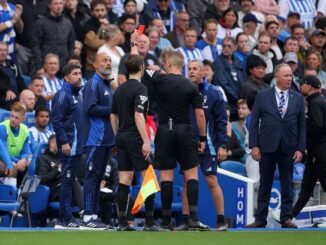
(182, 24)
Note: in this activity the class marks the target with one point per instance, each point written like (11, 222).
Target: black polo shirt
(129, 98)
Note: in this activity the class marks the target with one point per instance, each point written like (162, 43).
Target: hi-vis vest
(15, 143)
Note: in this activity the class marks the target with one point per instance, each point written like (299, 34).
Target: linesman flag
(149, 186)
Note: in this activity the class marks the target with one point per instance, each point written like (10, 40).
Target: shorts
(176, 145)
(208, 164)
(129, 151)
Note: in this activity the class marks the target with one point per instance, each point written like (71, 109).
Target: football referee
(128, 113)
(174, 140)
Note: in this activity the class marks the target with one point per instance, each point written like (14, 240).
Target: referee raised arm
(174, 140)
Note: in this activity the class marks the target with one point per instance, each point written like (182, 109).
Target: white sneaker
(276, 215)
(322, 225)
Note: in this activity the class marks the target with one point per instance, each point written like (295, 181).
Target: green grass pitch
(168, 238)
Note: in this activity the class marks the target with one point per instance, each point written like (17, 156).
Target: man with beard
(98, 137)
(92, 34)
(41, 132)
(66, 118)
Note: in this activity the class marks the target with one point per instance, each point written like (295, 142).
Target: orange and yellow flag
(149, 186)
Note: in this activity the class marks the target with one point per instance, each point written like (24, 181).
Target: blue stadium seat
(27, 80)
(38, 201)
(234, 167)
(8, 197)
(4, 115)
(39, 149)
(30, 120)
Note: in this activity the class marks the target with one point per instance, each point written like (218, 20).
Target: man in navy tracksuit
(66, 119)
(98, 137)
(215, 150)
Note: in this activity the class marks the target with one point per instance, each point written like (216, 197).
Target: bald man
(27, 98)
(98, 137)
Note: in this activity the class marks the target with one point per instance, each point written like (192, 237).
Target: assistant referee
(129, 108)
(174, 140)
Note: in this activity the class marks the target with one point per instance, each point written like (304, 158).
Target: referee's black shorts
(129, 151)
(178, 145)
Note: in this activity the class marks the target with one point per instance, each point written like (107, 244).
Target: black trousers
(267, 167)
(315, 169)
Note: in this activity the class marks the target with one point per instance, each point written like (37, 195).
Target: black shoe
(197, 226)
(93, 224)
(289, 224)
(126, 228)
(169, 227)
(154, 228)
(256, 224)
(183, 227)
(222, 226)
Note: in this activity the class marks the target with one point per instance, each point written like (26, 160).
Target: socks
(149, 210)
(122, 200)
(166, 198)
(192, 195)
(220, 219)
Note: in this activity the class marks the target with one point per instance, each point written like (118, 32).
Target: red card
(141, 29)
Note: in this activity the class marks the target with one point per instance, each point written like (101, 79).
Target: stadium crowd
(68, 63)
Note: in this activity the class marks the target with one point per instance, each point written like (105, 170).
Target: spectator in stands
(41, 132)
(306, 8)
(92, 37)
(165, 10)
(264, 51)
(49, 167)
(27, 98)
(32, 11)
(114, 37)
(291, 44)
(52, 33)
(78, 13)
(239, 128)
(216, 9)
(189, 51)
(267, 7)
(127, 25)
(229, 74)
(292, 19)
(291, 59)
(317, 41)
(11, 82)
(182, 24)
(111, 16)
(247, 7)
(243, 48)
(273, 29)
(14, 134)
(154, 39)
(210, 45)
(130, 7)
(298, 31)
(150, 61)
(37, 87)
(314, 61)
(208, 73)
(250, 23)
(52, 83)
(234, 150)
(196, 10)
(10, 18)
(228, 24)
(254, 83)
(78, 48)
(158, 24)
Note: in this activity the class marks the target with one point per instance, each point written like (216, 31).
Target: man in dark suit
(277, 135)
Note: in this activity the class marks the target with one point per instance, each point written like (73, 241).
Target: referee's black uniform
(316, 146)
(129, 98)
(174, 140)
